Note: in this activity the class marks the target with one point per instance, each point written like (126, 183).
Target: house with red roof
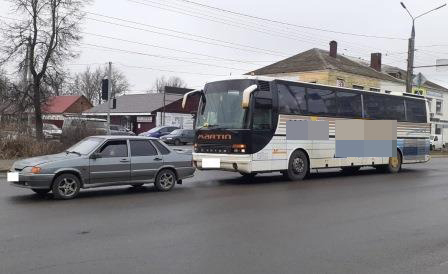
(56, 107)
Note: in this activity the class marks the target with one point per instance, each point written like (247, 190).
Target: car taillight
(36, 170)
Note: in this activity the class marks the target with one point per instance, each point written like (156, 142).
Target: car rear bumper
(185, 172)
(35, 181)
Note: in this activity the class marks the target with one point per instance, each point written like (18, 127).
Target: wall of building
(82, 104)
(338, 78)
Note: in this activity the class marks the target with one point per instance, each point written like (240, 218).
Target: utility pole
(163, 113)
(109, 93)
(411, 51)
(411, 46)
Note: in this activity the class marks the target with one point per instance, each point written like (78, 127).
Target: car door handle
(157, 159)
(124, 161)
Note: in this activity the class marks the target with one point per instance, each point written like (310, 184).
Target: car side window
(142, 148)
(162, 149)
(115, 148)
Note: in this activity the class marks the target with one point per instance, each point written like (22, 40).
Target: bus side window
(262, 114)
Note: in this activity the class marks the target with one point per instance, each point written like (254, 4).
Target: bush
(22, 146)
(15, 143)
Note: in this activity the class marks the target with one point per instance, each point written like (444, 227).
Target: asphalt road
(218, 223)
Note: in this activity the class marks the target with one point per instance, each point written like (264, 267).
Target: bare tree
(56, 81)
(48, 33)
(173, 81)
(88, 83)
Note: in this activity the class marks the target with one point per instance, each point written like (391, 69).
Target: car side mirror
(95, 155)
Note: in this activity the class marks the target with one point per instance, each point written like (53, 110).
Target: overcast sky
(250, 43)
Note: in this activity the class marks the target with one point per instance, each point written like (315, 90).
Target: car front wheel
(66, 186)
(165, 180)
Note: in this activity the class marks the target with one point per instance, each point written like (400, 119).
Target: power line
(290, 24)
(311, 40)
(161, 56)
(234, 45)
(166, 48)
(172, 71)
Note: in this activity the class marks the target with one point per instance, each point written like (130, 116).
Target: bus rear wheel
(394, 165)
(298, 166)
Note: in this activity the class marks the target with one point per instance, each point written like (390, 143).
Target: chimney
(333, 49)
(375, 61)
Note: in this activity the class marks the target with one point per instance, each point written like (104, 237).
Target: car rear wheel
(40, 191)
(66, 186)
(165, 180)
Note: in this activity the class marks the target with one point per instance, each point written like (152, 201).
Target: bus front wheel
(298, 166)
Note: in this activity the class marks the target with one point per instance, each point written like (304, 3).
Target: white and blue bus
(241, 126)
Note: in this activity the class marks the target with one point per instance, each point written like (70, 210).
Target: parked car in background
(436, 142)
(157, 132)
(120, 130)
(179, 136)
(77, 128)
(100, 161)
(52, 130)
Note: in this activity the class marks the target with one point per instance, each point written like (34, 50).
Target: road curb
(439, 156)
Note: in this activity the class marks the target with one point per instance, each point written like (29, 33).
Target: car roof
(114, 137)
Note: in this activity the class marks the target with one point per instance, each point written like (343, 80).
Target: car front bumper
(35, 181)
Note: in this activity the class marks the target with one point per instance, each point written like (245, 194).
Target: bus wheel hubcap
(298, 165)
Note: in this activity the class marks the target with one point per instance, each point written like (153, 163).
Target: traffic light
(105, 89)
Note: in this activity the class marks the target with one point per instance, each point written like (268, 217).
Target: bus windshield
(222, 107)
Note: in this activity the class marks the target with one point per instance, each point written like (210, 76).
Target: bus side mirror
(246, 95)
(188, 94)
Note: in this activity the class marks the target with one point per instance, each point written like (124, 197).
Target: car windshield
(87, 145)
(223, 105)
(176, 131)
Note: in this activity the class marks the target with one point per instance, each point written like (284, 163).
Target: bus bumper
(227, 162)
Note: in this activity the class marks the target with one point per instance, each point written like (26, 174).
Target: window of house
(375, 89)
(358, 87)
(438, 131)
(439, 107)
(340, 82)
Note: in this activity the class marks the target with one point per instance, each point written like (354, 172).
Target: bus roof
(270, 79)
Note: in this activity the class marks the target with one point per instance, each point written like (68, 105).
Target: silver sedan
(100, 161)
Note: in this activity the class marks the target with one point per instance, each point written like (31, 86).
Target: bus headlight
(239, 148)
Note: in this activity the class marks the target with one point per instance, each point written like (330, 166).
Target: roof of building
(59, 104)
(137, 103)
(318, 59)
(391, 69)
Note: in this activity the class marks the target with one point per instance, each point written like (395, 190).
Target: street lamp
(411, 46)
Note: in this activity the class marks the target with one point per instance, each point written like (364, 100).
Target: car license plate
(12, 177)
(211, 163)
